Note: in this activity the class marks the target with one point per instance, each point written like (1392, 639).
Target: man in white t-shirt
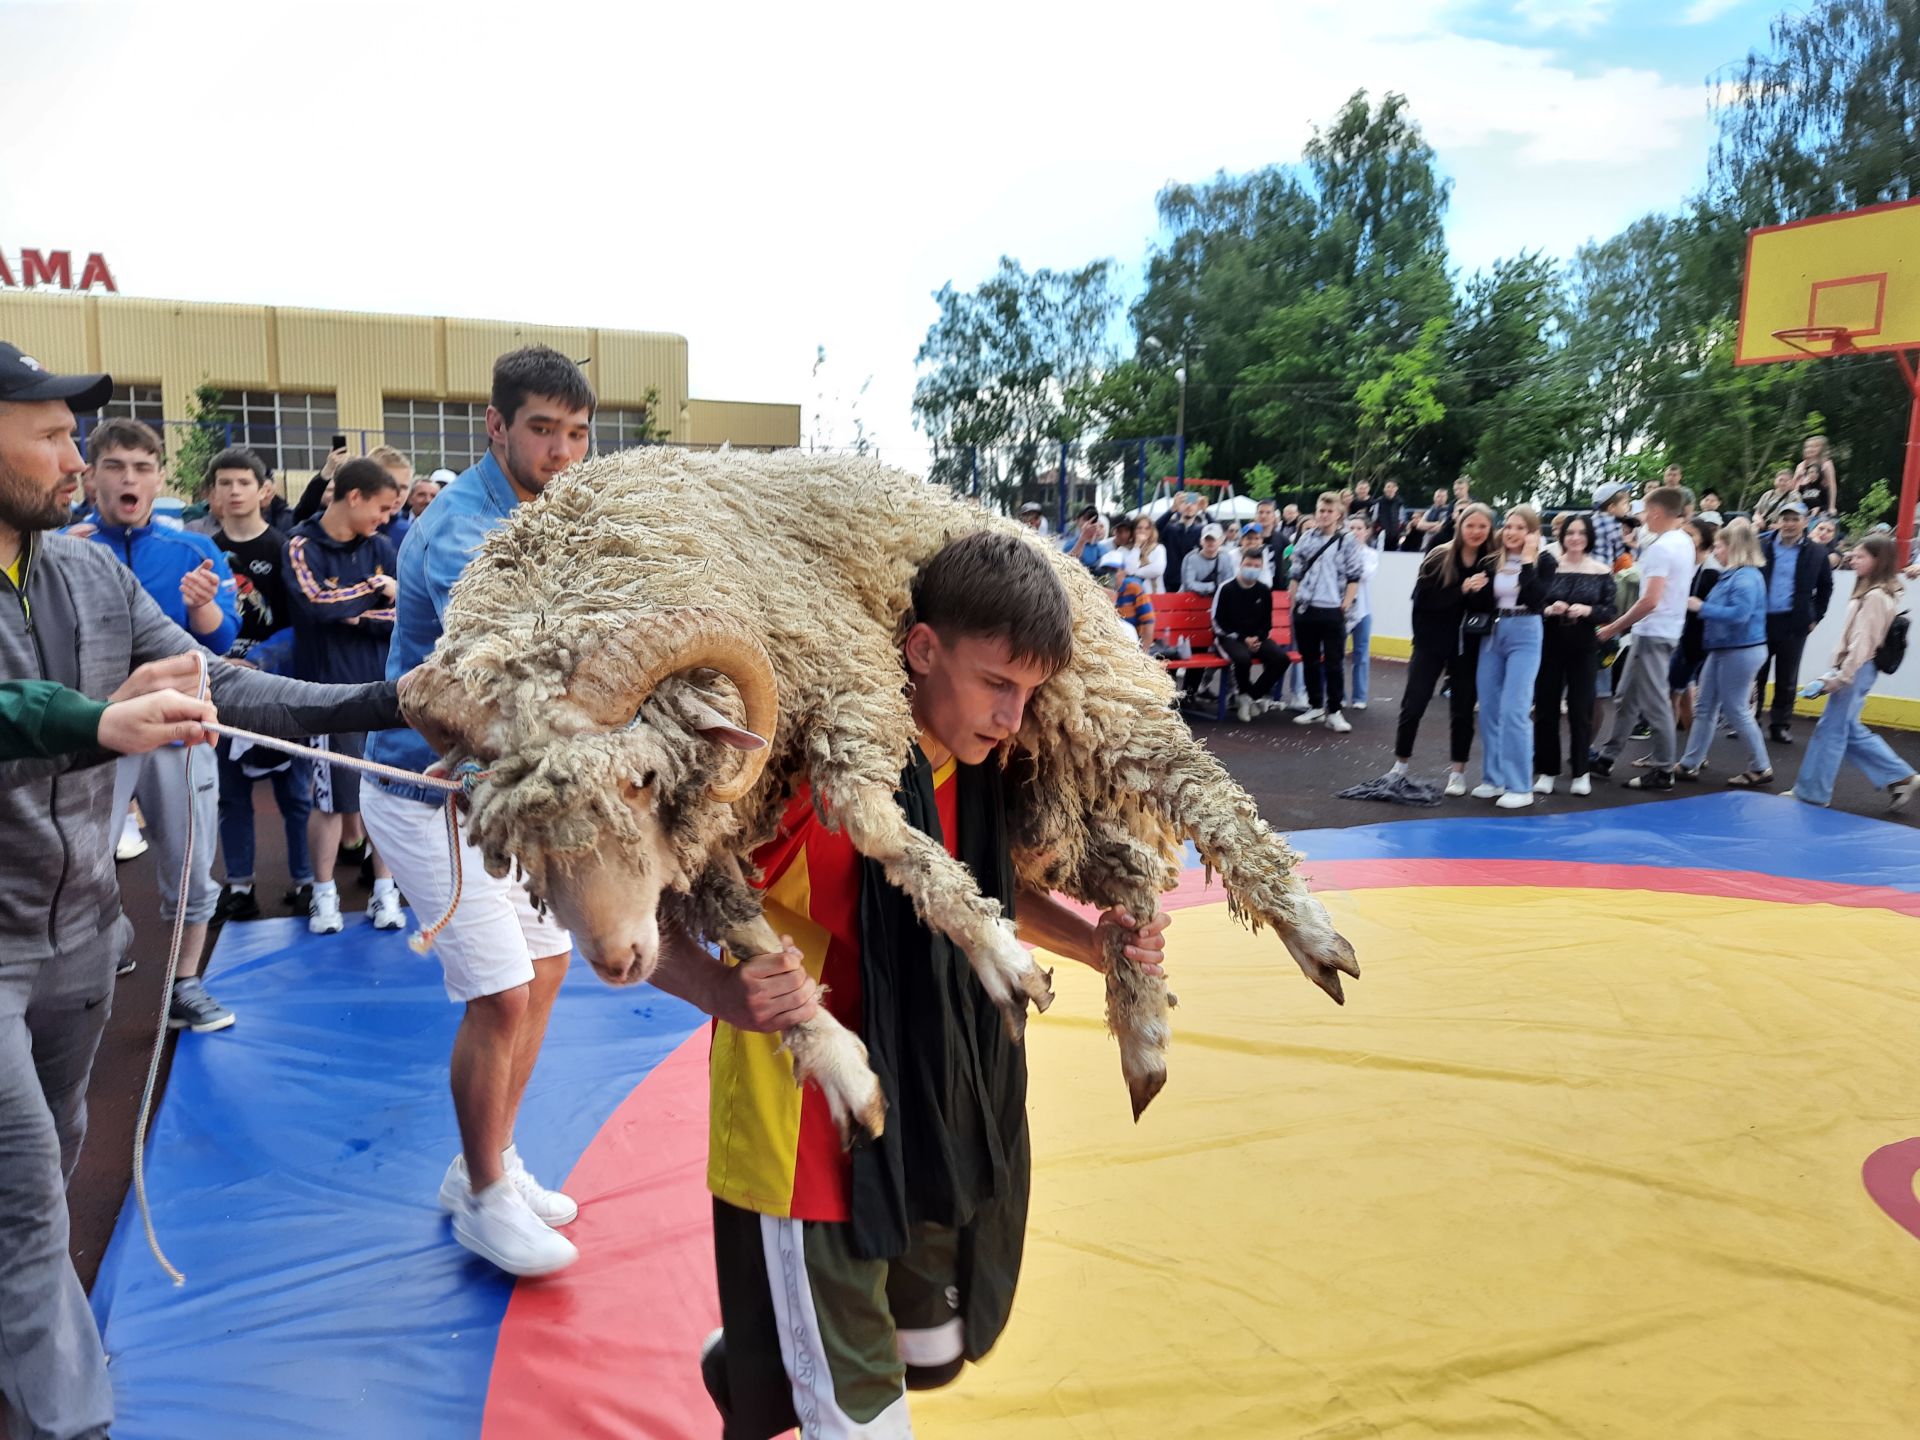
(1656, 619)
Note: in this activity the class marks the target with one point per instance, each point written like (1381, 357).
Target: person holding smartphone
(1518, 580)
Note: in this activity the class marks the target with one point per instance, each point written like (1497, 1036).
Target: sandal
(1751, 777)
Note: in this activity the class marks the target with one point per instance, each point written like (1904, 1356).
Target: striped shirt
(772, 1147)
(1131, 601)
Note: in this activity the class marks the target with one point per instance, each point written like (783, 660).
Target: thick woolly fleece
(814, 556)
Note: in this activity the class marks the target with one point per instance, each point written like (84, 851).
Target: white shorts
(493, 939)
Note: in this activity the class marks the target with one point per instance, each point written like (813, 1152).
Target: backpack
(1893, 649)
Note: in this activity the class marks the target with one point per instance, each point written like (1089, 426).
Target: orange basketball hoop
(1818, 341)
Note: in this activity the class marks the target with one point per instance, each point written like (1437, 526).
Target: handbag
(1475, 623)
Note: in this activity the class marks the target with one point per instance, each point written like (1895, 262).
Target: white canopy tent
(1237, 507)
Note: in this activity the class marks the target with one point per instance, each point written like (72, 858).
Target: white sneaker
(1456, 783)
(384, 911)
(1543, 784)
(1518, 800)
(323, 912)
(1582, 785)
(1488, 792)
(132, 843)
(498, 1226)
(1243, 707)
(1357, 705)
(1339, 724)
(1310, 717)
(550, 1207)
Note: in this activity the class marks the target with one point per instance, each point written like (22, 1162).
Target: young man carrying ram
(848, 1278)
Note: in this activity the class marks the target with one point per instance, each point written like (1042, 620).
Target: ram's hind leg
(1125, 872)
(824, 1051)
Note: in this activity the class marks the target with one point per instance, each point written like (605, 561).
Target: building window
(289, 432)
(135, 402)
(437, 434)
(618, 430)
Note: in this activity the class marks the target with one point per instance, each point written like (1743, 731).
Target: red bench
(1190, 617)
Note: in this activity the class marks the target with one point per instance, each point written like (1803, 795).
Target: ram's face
(585, 795)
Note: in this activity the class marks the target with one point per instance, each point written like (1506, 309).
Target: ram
(651, 661)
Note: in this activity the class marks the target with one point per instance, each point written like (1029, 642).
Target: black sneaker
(126, 966)
(1780, 735)
(236, 905)
(192, 1008)
(1600, 765)
(298, 900)
(1642, 732)
(1652, 780)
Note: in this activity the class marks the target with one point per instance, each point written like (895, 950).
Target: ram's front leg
(1122, 873)
(824, 1051)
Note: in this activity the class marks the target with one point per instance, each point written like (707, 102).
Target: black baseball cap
(23, 378)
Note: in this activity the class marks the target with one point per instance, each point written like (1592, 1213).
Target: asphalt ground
(1294, 773)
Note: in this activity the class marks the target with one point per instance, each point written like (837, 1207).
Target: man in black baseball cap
(73, 614)
(23, 379)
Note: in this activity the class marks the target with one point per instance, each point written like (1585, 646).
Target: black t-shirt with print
(262, 586)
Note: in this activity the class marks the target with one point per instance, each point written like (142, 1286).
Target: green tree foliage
(195, 444)
(1012, 369)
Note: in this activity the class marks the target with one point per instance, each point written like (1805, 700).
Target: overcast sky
(768, 180)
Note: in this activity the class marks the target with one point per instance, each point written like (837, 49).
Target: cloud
(765, 180)
(1579, 16)
(1703, 11)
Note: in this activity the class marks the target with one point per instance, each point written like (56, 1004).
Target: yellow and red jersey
(772, 1147)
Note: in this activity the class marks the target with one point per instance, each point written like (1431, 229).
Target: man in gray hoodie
(70, 612)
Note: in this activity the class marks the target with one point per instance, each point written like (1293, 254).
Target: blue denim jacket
(1734, 614)
(434, 554)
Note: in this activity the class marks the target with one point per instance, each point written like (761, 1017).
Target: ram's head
(612, 782)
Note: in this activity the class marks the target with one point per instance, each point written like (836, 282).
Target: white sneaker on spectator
(1898, 795)
(132, 843)
(1357, 705)
(1339, 723)
(1456, 783)
(551, 1206)
(323, 915)
(1582, 785)
(498, 1226)
(1310, 717)
(1543, 784)
(1517, 800)
(385, 910)
(1243, 707)
(1488, 792)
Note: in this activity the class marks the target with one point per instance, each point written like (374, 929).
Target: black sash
(956, 1150)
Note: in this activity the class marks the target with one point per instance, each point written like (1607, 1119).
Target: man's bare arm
(763, 993)
(1047, 923)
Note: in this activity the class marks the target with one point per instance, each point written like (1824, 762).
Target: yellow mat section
(1571, 1163)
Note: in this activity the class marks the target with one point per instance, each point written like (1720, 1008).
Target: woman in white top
(1147, 560)
(1360, 617)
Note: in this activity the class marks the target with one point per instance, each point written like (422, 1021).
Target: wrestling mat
(1617, 1136)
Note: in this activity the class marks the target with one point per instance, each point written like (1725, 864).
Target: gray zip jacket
(81, 618)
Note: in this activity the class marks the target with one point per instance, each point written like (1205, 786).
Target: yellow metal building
(291, 379)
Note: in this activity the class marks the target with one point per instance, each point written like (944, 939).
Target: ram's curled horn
(434, 702)
(612, 682)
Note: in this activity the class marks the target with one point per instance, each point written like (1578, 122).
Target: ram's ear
(711, 725)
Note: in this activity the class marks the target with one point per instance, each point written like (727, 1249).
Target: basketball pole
(1910, 472)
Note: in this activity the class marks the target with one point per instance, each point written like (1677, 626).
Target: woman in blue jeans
(1510, 657)
(1733, 616)
(1840, 735)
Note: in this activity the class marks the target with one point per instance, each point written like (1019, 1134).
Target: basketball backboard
(1831, 284)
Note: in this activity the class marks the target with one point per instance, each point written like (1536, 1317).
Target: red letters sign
(53, 269)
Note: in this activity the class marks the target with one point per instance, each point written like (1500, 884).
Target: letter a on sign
(6, 275)
(97, 273)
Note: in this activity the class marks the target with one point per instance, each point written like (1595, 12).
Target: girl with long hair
(1579, 599)
(1149, 562)
(1510, 657)
(1448, 574)
(1840, 735)
(1733, 616)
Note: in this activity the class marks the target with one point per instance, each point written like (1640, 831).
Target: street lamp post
(1180, 428)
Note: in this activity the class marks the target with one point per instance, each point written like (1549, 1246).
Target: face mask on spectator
(1249, 574)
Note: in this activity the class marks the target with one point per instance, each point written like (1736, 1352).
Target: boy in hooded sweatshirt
(340, 578)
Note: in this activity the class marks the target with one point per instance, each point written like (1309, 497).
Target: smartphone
(339, 442)
(1813, 690)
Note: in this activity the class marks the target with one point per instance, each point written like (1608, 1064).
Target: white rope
(420, 942)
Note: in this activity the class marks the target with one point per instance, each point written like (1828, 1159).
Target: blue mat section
(293, 1169)
(1763, 834)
